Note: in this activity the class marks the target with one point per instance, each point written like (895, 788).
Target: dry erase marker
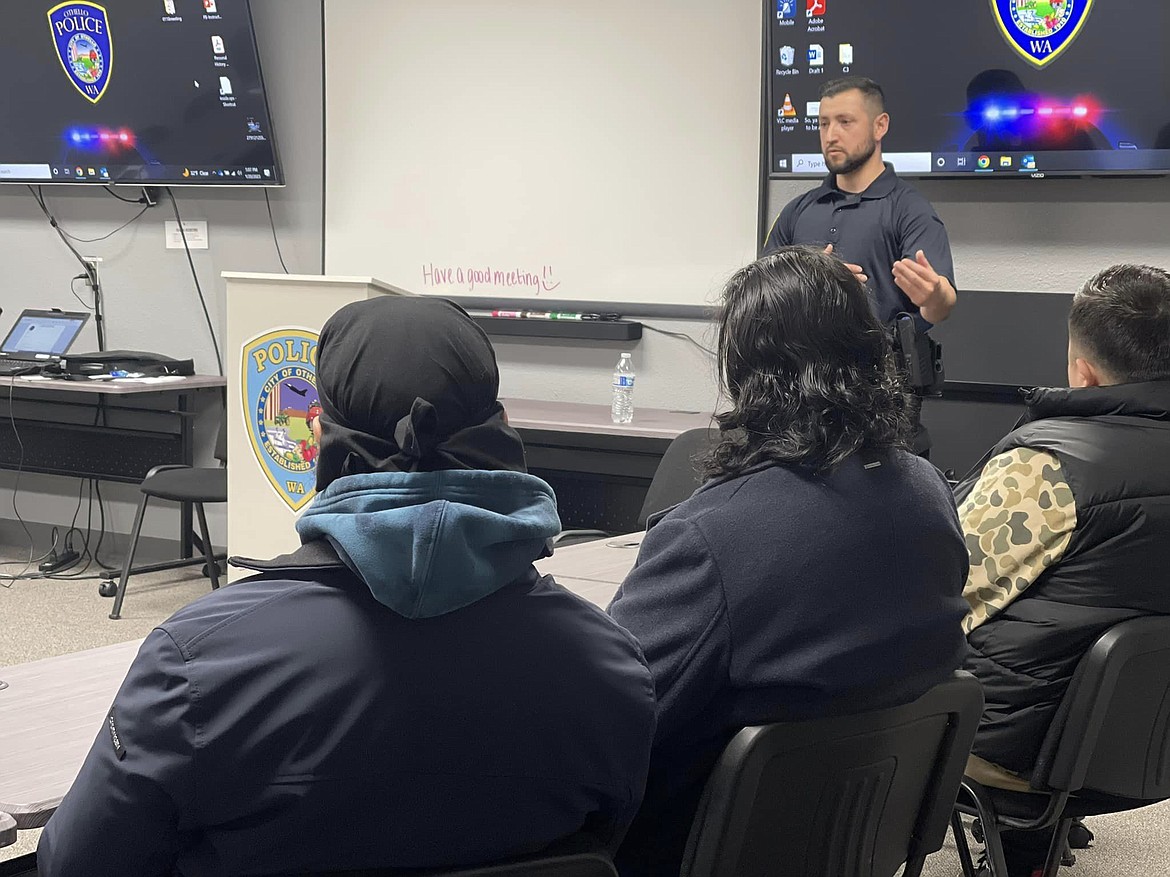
(538, 315)
(511, 315)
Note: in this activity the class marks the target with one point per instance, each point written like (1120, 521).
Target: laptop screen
(44, 333)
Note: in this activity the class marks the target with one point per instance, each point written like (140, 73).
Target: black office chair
(678, 474)
(1107, 750)
(675, 479)
(854, 796)
(184, 484)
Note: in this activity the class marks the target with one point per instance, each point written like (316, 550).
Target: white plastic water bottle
(622, 409)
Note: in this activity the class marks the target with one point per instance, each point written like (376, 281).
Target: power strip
(59, 561)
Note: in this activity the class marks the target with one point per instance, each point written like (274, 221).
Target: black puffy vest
(1113, 444)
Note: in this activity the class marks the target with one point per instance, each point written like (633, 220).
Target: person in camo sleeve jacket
(1068, 526)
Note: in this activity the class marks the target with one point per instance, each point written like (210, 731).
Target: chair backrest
(677, 475)
(853, 796)
(1112, 731)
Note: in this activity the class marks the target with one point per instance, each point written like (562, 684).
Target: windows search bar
(25, 172)
(808, 163)
(903, 162)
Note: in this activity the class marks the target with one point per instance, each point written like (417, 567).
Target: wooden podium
(270, 357)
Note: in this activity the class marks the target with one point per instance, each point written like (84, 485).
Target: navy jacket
(294, 722)
(782, 595)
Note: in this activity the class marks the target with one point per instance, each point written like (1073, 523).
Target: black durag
(409, 384)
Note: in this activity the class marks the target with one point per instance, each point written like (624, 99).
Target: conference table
(599, 469)
(52, 709)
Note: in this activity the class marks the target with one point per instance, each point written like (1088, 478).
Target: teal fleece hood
(428, 543)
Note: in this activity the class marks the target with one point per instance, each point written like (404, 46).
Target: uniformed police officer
(883, 229)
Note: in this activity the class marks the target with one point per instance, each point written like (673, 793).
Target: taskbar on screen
(39, 174)
(997, 163)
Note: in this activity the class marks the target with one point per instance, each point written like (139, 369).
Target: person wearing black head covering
(404, 691)
(392, 406)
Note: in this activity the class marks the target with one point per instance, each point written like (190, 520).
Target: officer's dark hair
(808, 368)
(1122, 320)
(870, 90)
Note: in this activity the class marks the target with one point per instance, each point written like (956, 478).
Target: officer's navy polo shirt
(874, 229)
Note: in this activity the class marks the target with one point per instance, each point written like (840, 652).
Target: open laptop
(38, 339)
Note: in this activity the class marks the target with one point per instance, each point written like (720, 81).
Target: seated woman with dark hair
(820, 568)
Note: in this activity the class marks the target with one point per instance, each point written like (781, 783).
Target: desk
(104, 430)
(49, 715)
(52, 709)
(594, 570)
(600, 470)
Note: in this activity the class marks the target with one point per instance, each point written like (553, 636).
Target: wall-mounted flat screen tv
(139, 92)
(980, 88)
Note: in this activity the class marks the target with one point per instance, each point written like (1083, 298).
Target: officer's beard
(853, 162)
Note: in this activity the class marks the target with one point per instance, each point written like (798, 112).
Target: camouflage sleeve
(1018, 521)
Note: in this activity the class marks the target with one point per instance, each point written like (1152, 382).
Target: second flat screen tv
(147, 92)
(980, 88)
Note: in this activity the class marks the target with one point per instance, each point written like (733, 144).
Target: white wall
(672, 373)
(150, 298)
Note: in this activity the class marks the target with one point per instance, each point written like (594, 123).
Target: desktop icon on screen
(816, 55)
(814, 8)
(169, 7)
(785, 9)
(217, 46)
(788, 111)
(209, 6)
(845, 54)
(812, 109)
(225, 86)
(787, 56)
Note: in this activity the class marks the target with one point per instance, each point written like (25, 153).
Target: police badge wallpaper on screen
(981, 86)
(133, 90)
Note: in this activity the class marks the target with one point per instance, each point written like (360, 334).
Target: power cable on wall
(198, 286)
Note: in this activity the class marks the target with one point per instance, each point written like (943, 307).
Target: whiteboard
(594, 151)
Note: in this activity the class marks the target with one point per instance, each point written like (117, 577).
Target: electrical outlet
(93, 263)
